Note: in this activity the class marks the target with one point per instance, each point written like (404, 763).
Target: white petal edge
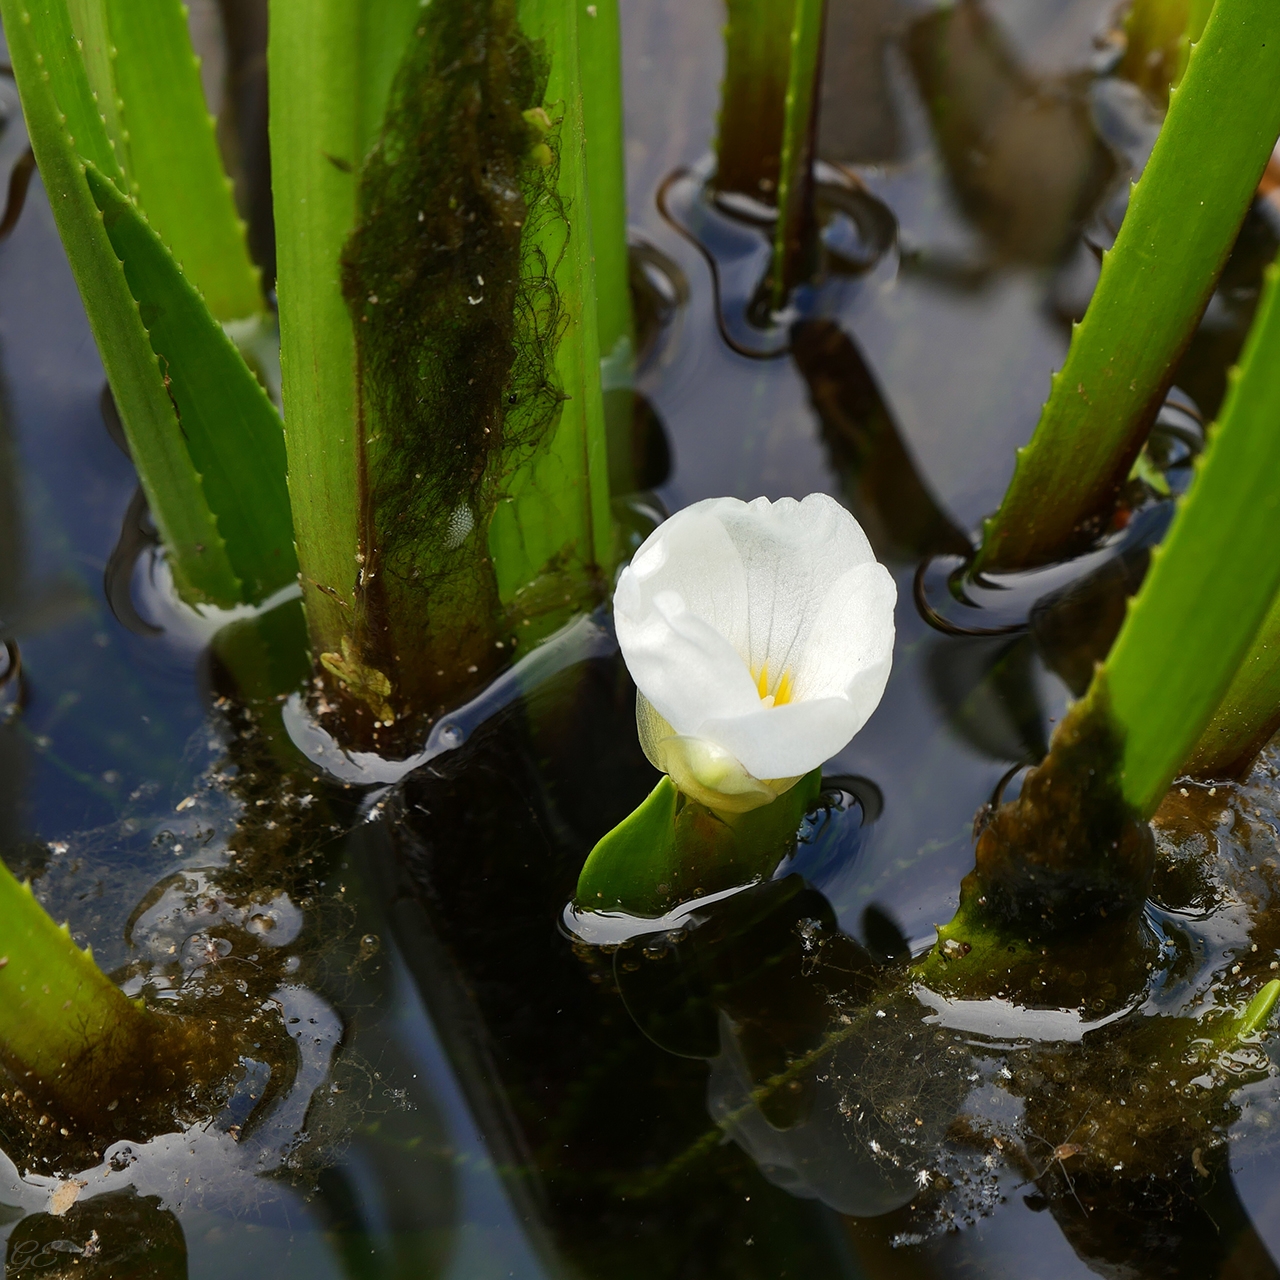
(683, 665)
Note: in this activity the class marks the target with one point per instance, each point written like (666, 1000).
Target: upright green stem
(794, 237)
(1181, 223)
(753, 102)
(773, 56)
(441, 340)
(317, 143)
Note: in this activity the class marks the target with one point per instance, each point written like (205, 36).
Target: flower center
(780, 695)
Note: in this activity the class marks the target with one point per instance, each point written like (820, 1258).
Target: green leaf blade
(1211, 583)
(1155, 283)
(171, 153)
(38, 39)
(232, 432)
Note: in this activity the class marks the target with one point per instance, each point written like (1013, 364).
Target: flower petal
(788, 741)
(693, 555)
(683, 665)
(851, 632)
(791, 552)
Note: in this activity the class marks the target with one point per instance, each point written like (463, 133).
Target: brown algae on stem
(454, 345)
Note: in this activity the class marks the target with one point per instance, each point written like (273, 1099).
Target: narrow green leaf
(46, 63)
(1257, 1013)
(169, 150)
(1248, 717)
(600, 40)
(89, 21)
(56, 1006)
(794, 236)
(232, 431)
(757, 42)
(1182, 220)
(1211, 583)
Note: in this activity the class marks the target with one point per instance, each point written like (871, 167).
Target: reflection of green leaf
(671, 849)
(232, 432)
(59, 108)
(1182, 220)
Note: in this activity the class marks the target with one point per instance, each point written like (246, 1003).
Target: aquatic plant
(1075, 844)
(202, 433)
(73, 1039)
(440, 342)
(1183, 217)
(760, 638)
(768, 119)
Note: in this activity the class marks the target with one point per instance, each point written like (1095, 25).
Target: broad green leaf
(1182, 220)
(1213, 580)
(232, 432)
(331, 65)
(66, 131)
(146, 82)
(671, 849)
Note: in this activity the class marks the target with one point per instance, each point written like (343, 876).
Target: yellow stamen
(781, 695)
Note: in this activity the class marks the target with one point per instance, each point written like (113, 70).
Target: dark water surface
(478, 1092)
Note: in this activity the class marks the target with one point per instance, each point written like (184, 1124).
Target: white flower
(760, 637)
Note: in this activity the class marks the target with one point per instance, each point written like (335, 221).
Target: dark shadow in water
(580, 1107)
(1189, 1227)
(137, 536)
(116, 1236)
(19, 181)
(1021, 152)
(882, 484)
(242, 126)
(986, 690)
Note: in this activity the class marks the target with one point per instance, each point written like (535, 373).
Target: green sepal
(672, 849)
